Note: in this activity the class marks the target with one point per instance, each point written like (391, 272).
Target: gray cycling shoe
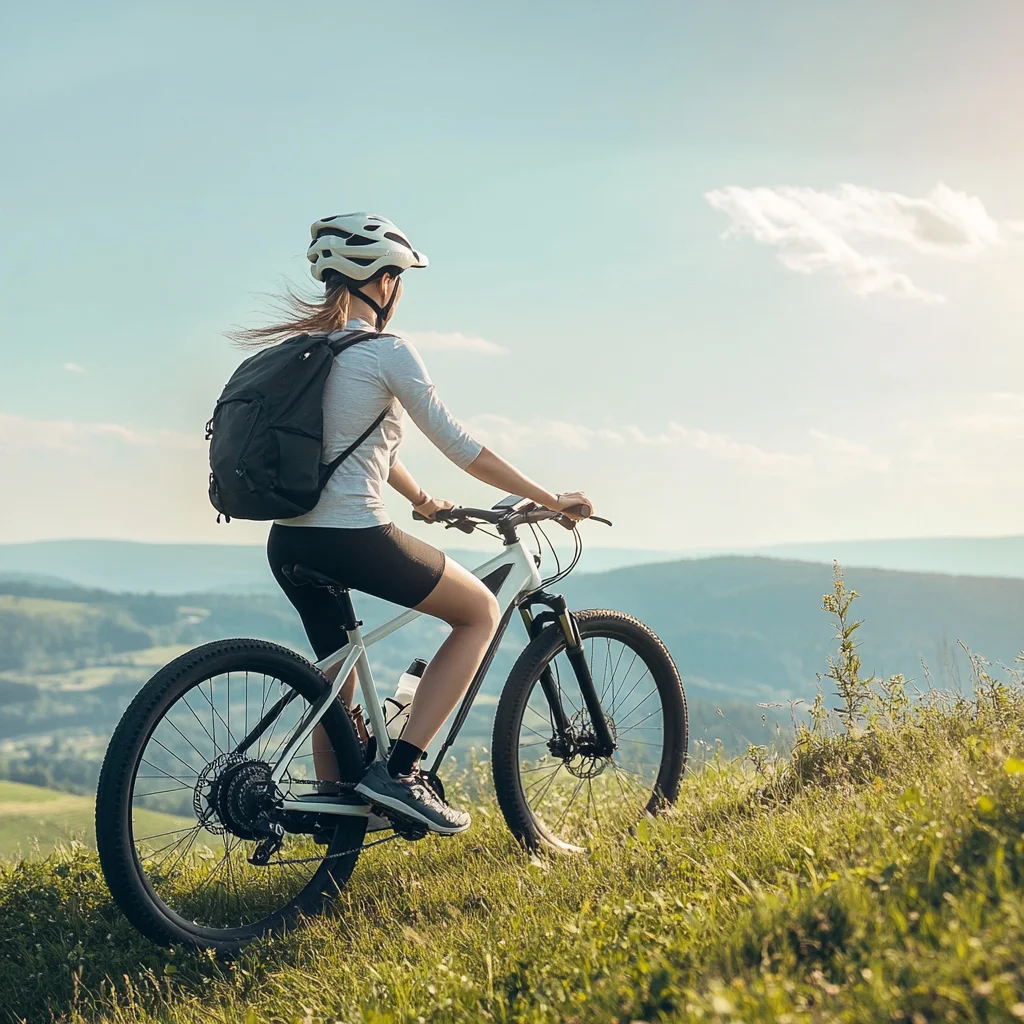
(411, 798)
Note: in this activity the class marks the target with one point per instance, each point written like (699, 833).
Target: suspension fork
(577, 659)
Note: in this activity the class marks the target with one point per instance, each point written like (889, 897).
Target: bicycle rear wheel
(179, 805)
(554, 790)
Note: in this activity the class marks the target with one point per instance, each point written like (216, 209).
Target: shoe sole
(405, 812)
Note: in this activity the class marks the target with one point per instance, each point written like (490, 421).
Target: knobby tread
(516, 692)
(113, 801)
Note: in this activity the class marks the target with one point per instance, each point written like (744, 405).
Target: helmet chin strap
(382, 311)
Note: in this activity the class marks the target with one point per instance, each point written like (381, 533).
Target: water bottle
(396, 708)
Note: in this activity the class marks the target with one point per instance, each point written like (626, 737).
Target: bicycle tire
(528, 829)
(119, 860)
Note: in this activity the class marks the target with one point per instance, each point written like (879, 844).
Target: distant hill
(743, 631)
(960, 556)
(132, 567)
(754, 626)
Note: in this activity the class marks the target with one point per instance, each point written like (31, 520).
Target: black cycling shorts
(379, 560)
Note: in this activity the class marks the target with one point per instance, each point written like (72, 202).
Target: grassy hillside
(34, 820)
(876, 873)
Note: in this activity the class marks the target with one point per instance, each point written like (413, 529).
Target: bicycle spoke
(545, 779)
(157, 768)
(575, 793)
(160, 835)
(190, 767)
(594, 793)
(201, 871)
(628, 728)
(200, 721)
(160, 792)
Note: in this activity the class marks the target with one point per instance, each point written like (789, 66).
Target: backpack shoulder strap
(326, 472)
(350, 338)
(337, 347)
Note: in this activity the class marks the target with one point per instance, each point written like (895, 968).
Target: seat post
(348, 613)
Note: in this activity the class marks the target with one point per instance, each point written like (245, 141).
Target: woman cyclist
(349, 535)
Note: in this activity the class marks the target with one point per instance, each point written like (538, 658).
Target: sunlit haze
(746, 273)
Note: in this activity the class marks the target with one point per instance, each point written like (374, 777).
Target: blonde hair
(299, 316)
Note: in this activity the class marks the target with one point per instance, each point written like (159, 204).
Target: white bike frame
(510, 575)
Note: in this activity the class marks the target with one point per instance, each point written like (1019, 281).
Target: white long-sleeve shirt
(372, 375)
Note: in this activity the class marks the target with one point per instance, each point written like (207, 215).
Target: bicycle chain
(335, 856)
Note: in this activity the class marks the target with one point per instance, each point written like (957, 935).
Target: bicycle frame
(512, 576)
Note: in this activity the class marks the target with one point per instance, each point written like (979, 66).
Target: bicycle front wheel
(182, 794)
(554, 787)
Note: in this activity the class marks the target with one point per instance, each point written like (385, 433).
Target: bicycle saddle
(300, 575)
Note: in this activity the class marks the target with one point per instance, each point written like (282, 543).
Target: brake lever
(449, 524)
(570, 524)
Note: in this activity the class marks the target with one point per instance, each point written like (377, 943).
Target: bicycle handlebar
(461, 518)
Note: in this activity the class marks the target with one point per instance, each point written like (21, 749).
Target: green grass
(34, 820)
(888, 885)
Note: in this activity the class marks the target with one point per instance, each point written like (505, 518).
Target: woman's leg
(325, 764)
(318, 611)
(461, 600)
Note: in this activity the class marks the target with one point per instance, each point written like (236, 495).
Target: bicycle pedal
(402, 826)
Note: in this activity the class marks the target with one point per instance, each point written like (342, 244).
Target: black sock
(404, 758)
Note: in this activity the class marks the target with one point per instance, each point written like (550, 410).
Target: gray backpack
(266, 432)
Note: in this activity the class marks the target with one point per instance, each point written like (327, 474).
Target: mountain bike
(213, 829)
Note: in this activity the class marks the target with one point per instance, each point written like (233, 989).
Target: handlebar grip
(421, 518)
(583, 511)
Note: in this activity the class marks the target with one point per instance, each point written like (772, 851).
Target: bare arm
(402, 480)
(492, 469)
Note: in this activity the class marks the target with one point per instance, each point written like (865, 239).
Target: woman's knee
(460, 599)
(490, 611)
(479, 609)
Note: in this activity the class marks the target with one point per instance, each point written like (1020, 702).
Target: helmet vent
(359, 240)
(327, 254)
(362, 261)
(371, 227)
(398, 238)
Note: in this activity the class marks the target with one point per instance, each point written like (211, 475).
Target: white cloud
(1001, 412)
(454, 341)
(502, 432)
(852, 231)
(23, 433)
(75, 368)
(841, 451)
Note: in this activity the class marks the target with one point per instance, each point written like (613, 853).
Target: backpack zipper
(240, 469)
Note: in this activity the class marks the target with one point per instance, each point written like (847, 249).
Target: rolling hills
(33, 820)
(133, 567)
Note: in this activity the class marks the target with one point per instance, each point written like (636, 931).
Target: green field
(874, 873)
(33, 820)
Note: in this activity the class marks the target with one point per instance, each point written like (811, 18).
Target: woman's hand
(572, 499)
(429, 508)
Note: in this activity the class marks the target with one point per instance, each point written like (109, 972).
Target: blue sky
(634, 214)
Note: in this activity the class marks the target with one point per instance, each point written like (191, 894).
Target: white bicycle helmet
(359, 247)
